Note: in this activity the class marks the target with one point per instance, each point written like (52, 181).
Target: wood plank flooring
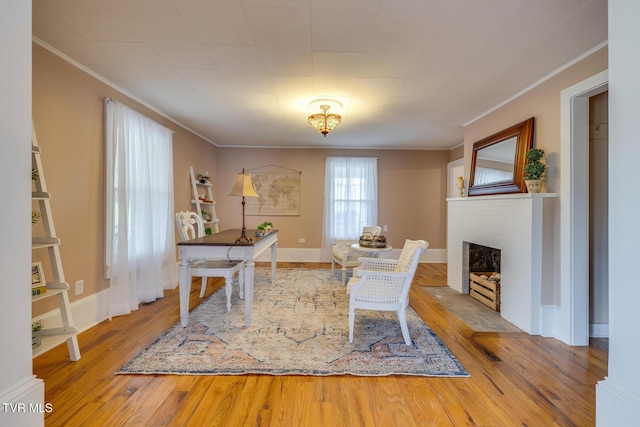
(516, 380)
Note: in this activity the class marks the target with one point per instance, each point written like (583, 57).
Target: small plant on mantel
(534, 169)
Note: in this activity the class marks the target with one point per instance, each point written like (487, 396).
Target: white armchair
(383, 284)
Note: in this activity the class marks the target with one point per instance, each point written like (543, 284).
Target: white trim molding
(573, 318)
(23, 404)
(86, 312)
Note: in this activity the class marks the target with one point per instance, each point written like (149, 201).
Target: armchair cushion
(406, 256)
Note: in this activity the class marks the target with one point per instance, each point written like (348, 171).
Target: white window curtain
(140, 238)
(350, 199)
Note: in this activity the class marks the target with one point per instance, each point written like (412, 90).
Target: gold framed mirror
(497, 162)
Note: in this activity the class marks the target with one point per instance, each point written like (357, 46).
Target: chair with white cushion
(342, 253)
(383, 285)
(190, 226)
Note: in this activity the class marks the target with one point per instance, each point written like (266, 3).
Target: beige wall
(412, 189)
(68, 119)
(456, 153)
(543, 103)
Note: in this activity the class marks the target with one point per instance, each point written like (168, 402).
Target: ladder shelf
(204, 204)
(57, 287)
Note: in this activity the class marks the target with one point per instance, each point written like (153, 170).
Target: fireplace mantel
(520, 225)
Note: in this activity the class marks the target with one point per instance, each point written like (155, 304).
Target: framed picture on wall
(37, 275)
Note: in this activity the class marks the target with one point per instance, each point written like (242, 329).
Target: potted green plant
(204, 179)
(264, 228)
(534, 170)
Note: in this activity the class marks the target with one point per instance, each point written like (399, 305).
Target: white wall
(618, 396)
(18, 387)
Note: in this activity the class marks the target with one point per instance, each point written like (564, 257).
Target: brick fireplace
(519, 225)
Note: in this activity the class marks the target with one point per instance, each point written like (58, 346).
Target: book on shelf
(37, 290)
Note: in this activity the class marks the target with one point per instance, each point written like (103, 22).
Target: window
(140, 238)
(351, 198)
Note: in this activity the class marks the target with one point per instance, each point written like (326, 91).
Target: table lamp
(243, 187)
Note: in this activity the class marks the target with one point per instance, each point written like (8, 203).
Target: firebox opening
(483, 265)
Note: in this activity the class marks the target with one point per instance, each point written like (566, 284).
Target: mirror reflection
(495, 163)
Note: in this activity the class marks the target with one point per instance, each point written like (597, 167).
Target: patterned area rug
(299, 327)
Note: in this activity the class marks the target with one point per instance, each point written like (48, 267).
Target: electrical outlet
(302, 240)
(79, 287)
(385, 228)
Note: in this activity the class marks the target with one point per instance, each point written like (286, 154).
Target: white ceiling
(409, 73)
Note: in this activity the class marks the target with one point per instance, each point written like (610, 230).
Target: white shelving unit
(203, 201)
(57, 286)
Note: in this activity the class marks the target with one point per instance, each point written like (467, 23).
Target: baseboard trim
(599, 330)
(548, 321)
(86, 312)
(615, 404)
(23, 404)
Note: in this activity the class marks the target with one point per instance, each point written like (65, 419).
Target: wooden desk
(223, 246)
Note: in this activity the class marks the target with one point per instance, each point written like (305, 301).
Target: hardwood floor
(516, 379)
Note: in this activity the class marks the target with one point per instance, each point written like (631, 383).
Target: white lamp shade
(243, 186)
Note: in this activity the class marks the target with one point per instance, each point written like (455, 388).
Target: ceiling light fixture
(323, 122)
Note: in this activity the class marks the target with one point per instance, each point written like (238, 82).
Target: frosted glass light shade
(323, 122)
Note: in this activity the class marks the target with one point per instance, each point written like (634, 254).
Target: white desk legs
(274, 253)
(184, 275)
(248, 290)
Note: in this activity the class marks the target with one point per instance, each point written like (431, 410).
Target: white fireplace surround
(520, 225)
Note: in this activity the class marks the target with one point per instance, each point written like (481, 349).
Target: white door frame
(573, 319)
(451, 167)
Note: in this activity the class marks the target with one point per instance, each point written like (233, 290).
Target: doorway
(573, 317)
(599, 216)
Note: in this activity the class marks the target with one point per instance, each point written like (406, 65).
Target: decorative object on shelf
(205, 215)
(264, 229)
(243, 186)
(202, 199)
(208, 231)
(37, 275)
(460, 186)
(35, 217)
(36, 338)
(534, 170)
(324, 122)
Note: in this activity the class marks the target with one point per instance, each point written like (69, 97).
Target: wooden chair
(383, 284)
(190, 226)
(342, 253)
